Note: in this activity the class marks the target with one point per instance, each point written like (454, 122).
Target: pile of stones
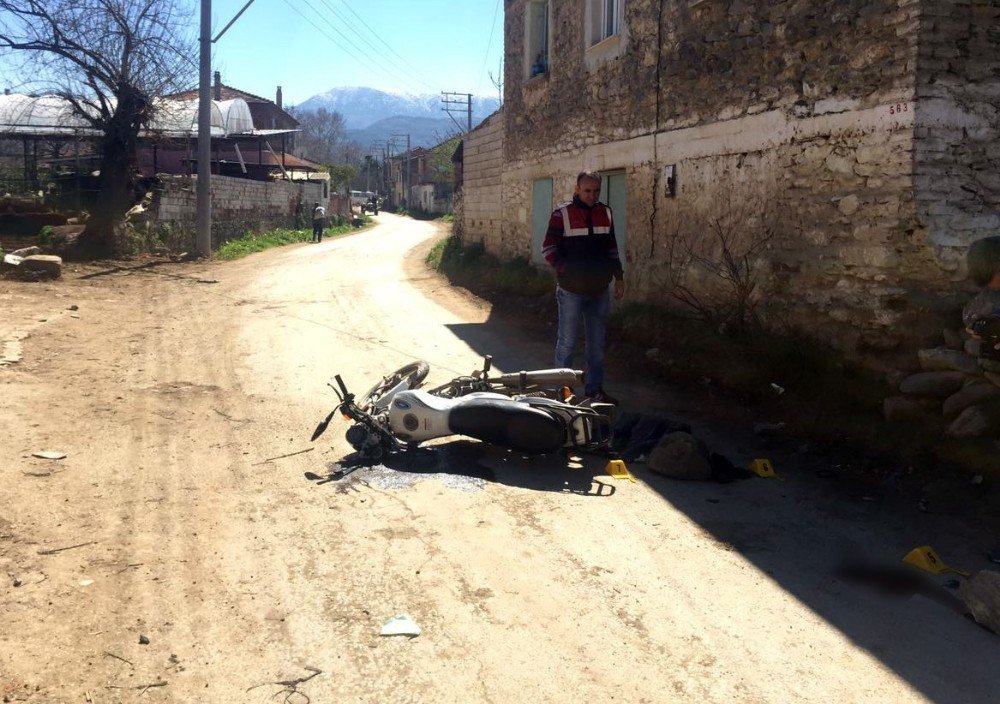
(954, 382)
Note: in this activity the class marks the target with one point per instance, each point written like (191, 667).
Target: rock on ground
(943, 359)
(901, 408)
(969, 396)
(932, 383)
(47, 266)
(680, 455)
(981, 595)
(971, 423)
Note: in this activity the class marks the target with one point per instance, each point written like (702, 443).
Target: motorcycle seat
(504, 422)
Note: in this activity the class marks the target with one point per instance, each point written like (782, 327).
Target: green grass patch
(250, 243)
(473, 267)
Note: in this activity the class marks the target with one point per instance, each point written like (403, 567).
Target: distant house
(869, 126)
(425, 177)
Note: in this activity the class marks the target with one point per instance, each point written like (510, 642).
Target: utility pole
(452, 99)
(203, 236)
(203, 193)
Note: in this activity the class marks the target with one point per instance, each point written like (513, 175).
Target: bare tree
(323, 135)
(110, 59)
(716, 256)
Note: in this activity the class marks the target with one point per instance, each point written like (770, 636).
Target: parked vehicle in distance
(359, 198)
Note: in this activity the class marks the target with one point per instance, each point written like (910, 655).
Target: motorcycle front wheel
(413, 373)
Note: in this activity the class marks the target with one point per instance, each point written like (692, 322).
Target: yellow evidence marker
(618, 470)
(763, 468)
(925, 558)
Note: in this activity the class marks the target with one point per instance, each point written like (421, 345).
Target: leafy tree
(109, 59)
(341, 176)
(322, 134)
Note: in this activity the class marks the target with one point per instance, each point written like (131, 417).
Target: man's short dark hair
(983, 258)
(587, 176)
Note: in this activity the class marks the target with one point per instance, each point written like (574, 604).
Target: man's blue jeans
(593, 312)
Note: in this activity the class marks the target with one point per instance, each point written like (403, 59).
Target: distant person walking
(319, 219)
(580, 245)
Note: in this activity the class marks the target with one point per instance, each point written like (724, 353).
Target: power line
(319, 29)
(404, 66)
(489, 45)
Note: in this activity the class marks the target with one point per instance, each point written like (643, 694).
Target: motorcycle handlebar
(340, 383)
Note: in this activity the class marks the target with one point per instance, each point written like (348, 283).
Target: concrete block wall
(481, 205)
(238, 205)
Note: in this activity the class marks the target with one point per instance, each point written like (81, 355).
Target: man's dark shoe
(600, 396)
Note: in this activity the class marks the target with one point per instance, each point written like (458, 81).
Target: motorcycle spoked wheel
(413, 373)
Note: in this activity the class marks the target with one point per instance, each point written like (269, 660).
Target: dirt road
(170, 387)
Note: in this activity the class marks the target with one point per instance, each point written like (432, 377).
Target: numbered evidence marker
(618, 470)
(764, 468)
(925, 558)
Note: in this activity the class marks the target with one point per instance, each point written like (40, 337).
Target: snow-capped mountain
(369, 112)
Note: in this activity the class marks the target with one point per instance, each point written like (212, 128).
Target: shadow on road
(471, 465)
(802, 532)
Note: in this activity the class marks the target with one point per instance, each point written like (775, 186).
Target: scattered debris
(118, 657)
(290, 687)
(768, 428)
(17, 581)
(401, 625)
(86, 582)
(281, 457)
(49, 455)
(143, 687)
(53, 551)
(143, 640)
(777, 389)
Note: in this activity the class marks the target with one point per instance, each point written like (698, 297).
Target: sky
(402, 46)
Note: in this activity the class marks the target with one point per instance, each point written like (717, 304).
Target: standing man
(580, 245)
(319, 217)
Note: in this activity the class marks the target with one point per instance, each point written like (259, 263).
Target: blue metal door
(615, 197)
(541, 209)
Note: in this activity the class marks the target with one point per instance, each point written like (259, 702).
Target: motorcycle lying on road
(529, 412)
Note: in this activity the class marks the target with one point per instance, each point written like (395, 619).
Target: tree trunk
(105, 234)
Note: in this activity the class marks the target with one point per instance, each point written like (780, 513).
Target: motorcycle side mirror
(321, 428)
(487, 364)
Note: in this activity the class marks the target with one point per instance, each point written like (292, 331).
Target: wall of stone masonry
(957, 146)
(238, 205)
(811, 107)
(480, 205)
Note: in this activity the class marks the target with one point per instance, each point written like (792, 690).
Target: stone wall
(239, 205)
(815, 109)
(479, 208)
(957, 154)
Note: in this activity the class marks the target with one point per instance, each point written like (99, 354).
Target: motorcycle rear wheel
(413, 373)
